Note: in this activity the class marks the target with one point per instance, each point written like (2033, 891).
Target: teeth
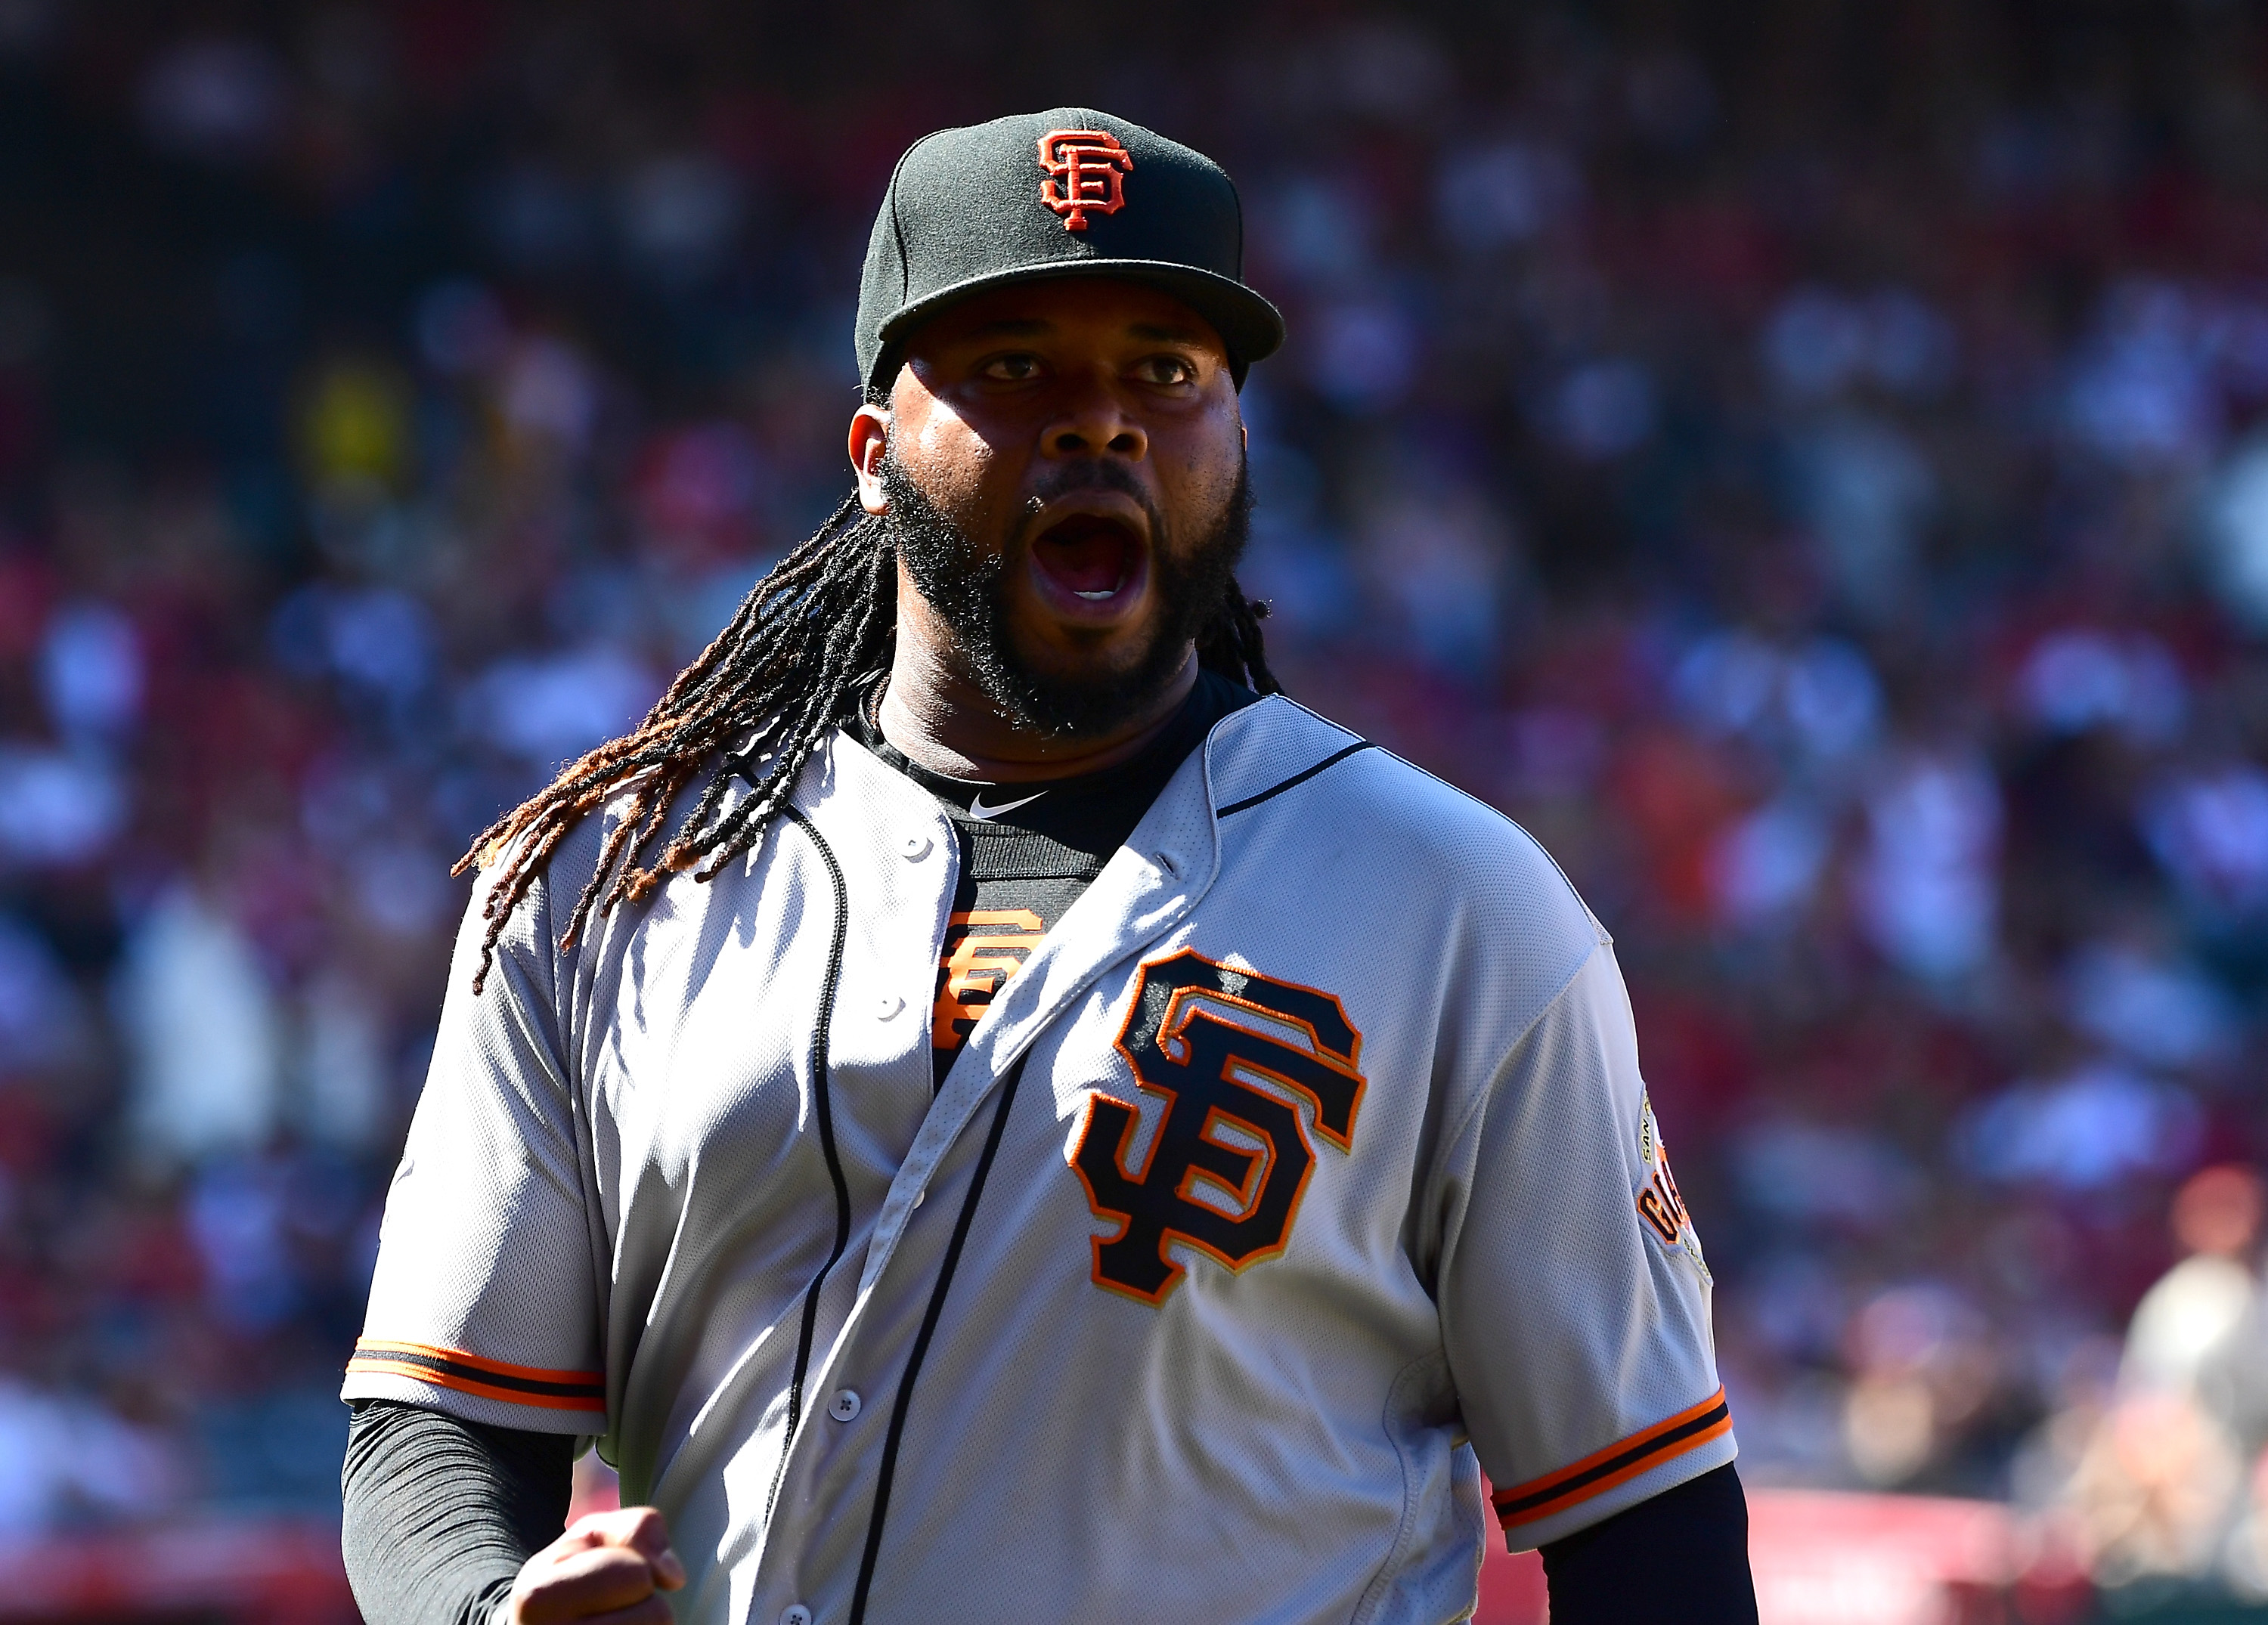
(1095, 597)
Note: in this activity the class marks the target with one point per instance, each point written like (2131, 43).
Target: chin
(1075, 696)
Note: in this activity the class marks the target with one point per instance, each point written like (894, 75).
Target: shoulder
(551, 869)
(1283, 777)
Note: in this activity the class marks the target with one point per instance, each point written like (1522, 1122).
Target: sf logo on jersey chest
(1235, 1061)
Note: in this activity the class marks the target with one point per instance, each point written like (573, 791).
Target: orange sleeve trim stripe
(469, 1374)
(1618, 1463)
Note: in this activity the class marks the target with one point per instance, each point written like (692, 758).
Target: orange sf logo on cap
(1089, 164)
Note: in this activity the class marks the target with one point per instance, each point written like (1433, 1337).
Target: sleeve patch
(469, 1374)
(1658, 1205)
(1618, 1463)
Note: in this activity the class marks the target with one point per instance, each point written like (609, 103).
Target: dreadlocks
(810, 637)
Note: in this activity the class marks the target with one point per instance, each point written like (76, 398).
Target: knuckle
(623, 1526)
(534, 1602)
(612, 1565)
(647, 1530)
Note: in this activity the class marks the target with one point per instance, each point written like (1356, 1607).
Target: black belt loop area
(921, 1341)
(820, 1089)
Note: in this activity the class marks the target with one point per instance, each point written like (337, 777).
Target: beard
(966, 584)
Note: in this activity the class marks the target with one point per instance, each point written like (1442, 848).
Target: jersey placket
(832, 1473)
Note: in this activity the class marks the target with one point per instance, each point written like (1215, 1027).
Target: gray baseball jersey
(1303, 1172)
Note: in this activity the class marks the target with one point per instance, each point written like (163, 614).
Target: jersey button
(888, 1006)
(915, 846)
(795, 1614)
(844, 1406)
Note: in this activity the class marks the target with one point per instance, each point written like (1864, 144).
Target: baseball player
(984, 1108)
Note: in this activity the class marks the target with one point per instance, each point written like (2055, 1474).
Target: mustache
(1095, 475)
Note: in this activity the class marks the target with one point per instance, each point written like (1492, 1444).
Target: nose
(1093, 420)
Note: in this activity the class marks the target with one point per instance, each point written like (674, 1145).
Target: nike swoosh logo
(977, 809)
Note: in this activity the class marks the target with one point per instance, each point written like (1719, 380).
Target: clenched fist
(608, 1570)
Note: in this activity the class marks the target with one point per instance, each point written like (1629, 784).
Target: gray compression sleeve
(441, 1513)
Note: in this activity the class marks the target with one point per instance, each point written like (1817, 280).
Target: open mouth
(1091, 556)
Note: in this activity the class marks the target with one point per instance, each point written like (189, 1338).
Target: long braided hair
(807, 639)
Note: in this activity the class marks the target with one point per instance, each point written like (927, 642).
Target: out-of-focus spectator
(199, 1018)
(2186, 1324)
(2162, 1488)
(2156, 1490)
(71, 1463)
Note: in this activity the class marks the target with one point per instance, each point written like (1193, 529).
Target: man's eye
(1013, 369)
(1165, 369)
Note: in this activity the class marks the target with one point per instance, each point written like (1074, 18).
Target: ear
(869, 437)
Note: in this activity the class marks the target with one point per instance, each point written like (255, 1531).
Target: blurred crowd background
(1808, 462)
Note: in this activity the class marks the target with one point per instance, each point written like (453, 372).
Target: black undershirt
(441, 1513)
(1034, 849)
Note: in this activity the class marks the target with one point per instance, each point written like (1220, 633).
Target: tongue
(1086, 555)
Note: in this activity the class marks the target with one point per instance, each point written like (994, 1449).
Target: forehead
(1100, 310)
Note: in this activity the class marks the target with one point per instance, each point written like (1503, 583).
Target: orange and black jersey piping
(470, 1373)
(1519, 1504)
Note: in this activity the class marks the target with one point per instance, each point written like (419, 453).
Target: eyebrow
(1159, 335)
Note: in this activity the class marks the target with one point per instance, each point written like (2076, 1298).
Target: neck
(938, 715)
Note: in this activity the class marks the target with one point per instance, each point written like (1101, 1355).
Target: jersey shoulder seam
(1295, 781)
(1361, 745)
(1260, 713)
(1506, 818)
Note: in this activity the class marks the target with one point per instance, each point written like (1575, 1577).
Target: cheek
(1197, 487)
(956, 469)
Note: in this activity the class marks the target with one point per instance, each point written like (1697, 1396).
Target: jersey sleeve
(485, 1301)
(1574, 1300)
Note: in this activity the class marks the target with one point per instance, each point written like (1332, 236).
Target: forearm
(1680, 1558)
(441, 1513)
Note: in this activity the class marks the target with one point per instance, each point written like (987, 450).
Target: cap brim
(1251, 328)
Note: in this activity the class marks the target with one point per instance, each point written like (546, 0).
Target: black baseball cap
(1072, 192)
